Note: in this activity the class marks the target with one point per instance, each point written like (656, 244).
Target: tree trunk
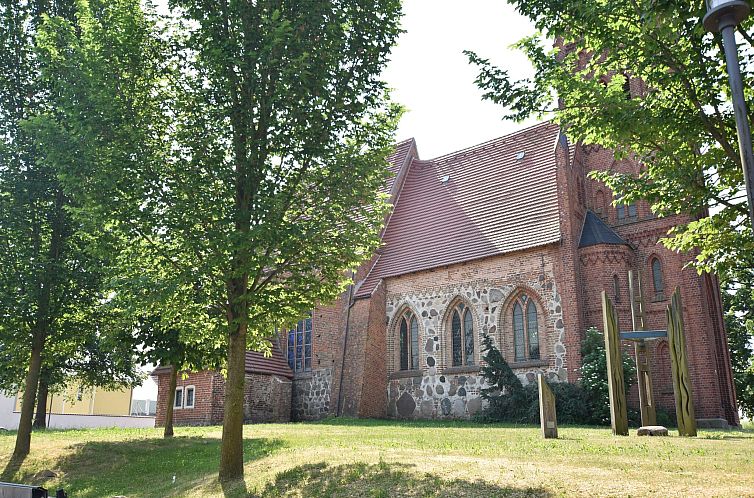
(231, 456)
(40, 419)
(23, 437)
(171, 402)
(46, 282)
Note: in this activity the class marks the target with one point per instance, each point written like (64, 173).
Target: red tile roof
(491, 203)
(273, 365)
(256, 363)
(399, 161)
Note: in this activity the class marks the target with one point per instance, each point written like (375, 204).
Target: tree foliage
(739, 322)
(594, 374)
(679, 126)
(238, 152)
(52, 326)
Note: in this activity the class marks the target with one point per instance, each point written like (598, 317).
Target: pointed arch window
(658, 280)
(462, 335)
(408, 338)
(616, 288)
(525, 329)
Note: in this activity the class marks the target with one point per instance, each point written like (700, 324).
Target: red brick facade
(267, 398)
(356, 341)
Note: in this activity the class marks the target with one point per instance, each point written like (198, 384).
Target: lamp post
(724, 16)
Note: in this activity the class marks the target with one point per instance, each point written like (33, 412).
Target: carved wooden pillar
(684, 400)
(616, 386)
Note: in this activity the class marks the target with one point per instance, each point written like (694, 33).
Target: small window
(178, 403)
(409, 341)
(657, 280)
(299, 346)
(620, 211)
(462, 335)
(632, 213)
(525, 330)
(624, 211)
(189, 403)
(616, 288)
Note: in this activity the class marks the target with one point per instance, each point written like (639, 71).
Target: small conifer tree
(497, 372)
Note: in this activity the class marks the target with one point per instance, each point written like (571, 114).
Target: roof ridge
(503, 138)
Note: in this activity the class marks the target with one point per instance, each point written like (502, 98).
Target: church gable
(494, 198)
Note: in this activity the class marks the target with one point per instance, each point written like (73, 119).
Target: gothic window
(300, 346)
(627, 87)
(408, 330)
(525, 329)
(657, 279)
(462, 335)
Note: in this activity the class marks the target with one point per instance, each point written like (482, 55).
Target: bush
(510, 401)
(587, 403)
(594, 374)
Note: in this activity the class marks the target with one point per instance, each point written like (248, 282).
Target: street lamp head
(724, 13)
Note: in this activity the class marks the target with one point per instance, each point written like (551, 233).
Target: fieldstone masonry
(311, 395)
(439, 390)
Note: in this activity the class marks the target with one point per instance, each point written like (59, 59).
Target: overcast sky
(433, 79)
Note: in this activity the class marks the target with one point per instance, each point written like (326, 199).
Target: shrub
(594, 374)
(510, 401)
(587, 403)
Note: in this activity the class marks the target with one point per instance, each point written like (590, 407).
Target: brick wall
(709, 362)
(488, 287)
(208, 394)
(266, 399)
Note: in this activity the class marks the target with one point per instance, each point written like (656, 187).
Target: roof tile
(492, 203)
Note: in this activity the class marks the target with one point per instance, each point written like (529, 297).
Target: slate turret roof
(595, 232)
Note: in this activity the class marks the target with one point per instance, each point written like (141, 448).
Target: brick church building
(509, 238)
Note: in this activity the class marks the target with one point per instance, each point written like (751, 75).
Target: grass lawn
(369, 458)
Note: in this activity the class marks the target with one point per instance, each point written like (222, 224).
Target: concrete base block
(652, 430)
(712, 423)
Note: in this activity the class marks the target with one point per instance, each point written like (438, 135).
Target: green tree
(680, 127)
(594, 373)
(50, 283)
(739, 323)
(242, 162)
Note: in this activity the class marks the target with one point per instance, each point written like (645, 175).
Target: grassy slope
(346, 458)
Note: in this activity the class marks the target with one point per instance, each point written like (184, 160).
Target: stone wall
(312, 395)
(267, 398)
(487, 287)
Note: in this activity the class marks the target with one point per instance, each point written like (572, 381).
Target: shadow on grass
(12, 468)
(381, 480)
(374, 422)
(147, 467)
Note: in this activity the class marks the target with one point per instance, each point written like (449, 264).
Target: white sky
(433, 79)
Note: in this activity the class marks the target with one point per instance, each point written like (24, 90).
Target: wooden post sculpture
(616, 386)
(547, 415)
(641, 353)
(684, 401)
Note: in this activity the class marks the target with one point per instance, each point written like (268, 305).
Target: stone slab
(652, 430)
